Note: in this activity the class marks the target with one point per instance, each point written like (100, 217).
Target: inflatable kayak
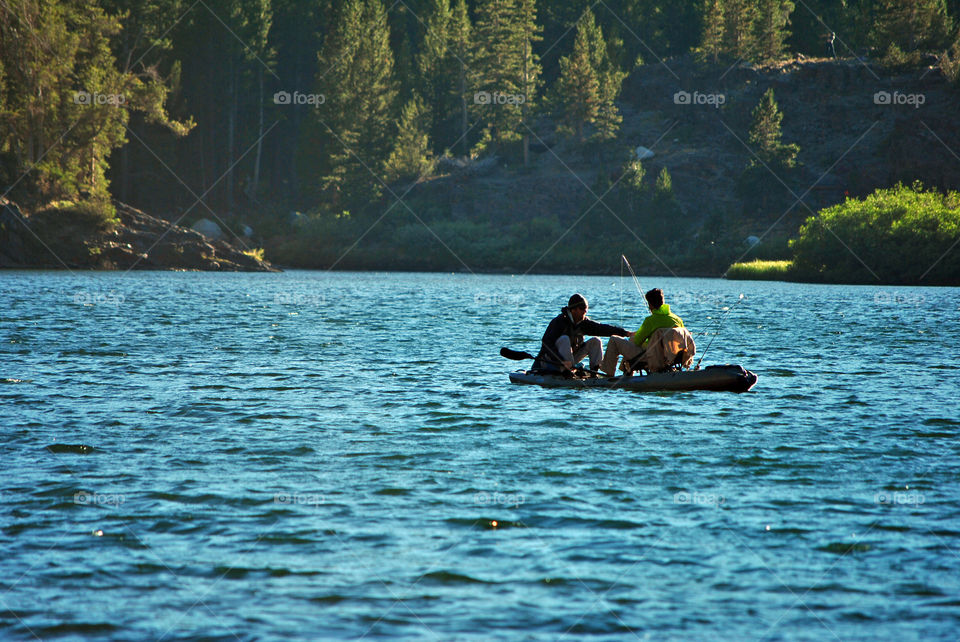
(721, 378)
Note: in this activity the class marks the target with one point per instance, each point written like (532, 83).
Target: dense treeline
(258, 106)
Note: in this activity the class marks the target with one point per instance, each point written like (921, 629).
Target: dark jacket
(563, 324)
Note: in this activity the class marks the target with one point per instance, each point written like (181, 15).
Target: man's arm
(591, 327)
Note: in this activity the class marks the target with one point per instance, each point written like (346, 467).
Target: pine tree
(911, 24)
(411, 157)
(405, 67)
(589, 83)
(493, 63)
(633, 189)
(244, 25)
(444, 66)
(355, 75)
(578, 88)
(459, 55)
(507, 68)
(64, 102)
(765, 134)
(773, 16)
(528, 32)
(431, 62)
(664, 185)
(950, 63)
(610, 78)
(740, 16)
(712, 44)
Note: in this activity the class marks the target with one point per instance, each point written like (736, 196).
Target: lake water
(341, 455)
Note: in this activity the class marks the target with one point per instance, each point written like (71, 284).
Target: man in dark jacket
(563, 345)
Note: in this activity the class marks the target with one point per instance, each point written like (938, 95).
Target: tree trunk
(256, 163)
(231, 124)
(463, 104)
(125, 172)
(523, 106)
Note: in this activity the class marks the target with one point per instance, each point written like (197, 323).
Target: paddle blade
(515, 355)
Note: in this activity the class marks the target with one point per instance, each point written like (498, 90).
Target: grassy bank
(759, 270)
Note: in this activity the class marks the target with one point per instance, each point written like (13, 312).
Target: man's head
(654, 298)
(578, 307)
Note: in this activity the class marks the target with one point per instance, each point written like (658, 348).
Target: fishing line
(719, 325)
(621, 294)
(636, 281)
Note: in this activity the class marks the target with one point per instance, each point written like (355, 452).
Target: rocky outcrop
(139, 241)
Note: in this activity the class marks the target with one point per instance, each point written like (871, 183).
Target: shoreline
(277, 268)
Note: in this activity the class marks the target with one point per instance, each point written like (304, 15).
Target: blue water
(330, 455)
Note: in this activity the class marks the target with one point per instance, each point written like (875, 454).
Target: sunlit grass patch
(758, 270)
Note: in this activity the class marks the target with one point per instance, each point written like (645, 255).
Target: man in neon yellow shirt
(660, 317)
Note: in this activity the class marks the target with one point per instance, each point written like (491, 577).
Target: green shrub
(895, 59)
(898, 235)
(950, 64)
(91, 216)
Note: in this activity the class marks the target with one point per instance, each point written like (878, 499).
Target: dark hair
(655, 298)
(577, 301)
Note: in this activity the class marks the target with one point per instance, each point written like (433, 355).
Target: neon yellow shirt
(661, 318)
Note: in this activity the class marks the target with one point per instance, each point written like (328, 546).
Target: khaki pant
(591, 347)
(616, 347)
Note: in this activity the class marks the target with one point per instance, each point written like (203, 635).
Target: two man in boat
(661, 342)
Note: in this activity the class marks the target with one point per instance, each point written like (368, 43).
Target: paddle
(515, 355)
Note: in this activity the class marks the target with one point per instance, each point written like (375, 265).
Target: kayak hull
(718, 378)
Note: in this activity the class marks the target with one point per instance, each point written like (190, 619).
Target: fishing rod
(636, 281)
(719, 324)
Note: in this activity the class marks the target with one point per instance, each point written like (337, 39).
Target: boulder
(208, 228)
(644, 153)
